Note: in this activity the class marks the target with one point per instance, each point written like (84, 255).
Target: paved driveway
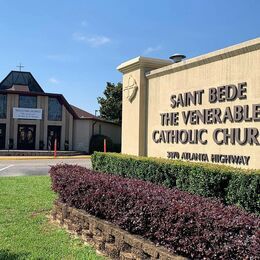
(35, 167)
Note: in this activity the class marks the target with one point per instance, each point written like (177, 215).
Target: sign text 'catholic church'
(205, 109)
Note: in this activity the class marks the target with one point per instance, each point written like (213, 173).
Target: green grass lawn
(25, 231)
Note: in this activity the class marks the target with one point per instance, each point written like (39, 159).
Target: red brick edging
(107, 237)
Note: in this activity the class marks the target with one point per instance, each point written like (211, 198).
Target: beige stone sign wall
(204, 109)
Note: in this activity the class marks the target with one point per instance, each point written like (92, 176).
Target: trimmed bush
(188, 225)
(230, 185)
(97, 144)
(116, 148)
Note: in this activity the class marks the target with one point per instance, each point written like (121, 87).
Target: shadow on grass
(7, 255)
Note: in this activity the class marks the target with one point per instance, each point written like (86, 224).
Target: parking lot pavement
(34, 167)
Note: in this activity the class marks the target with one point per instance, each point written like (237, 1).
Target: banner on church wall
(27, 113)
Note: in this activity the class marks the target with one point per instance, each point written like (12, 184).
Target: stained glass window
(54, 109)
(3, 104)
(28, 101)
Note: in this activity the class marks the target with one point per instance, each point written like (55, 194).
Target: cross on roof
(20, 66)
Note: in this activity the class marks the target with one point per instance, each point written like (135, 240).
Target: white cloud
(84, 23)
(152, 49)
(98, 40)
(54, 80)
(60, 57)
(94, 41)
(79, 37)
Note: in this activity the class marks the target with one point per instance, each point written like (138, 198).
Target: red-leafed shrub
(186, 224)
(233, 186)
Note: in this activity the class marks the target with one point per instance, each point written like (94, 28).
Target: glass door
(2, 136)
(54, 132)
(26, 137)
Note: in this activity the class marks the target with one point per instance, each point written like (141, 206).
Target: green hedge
(230, 185)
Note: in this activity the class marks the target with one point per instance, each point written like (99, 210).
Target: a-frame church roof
(21, 78)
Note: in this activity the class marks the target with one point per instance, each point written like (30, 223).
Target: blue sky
(74, 47)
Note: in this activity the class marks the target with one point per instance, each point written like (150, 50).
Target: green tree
(111, 103)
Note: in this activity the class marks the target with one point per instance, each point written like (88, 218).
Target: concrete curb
(9, 158)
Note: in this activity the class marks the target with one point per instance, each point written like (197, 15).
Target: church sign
(216, 116)
(27, 113)
(205, 109)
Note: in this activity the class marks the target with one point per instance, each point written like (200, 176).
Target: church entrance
(2, 136)
(26, 137)
(54, 132)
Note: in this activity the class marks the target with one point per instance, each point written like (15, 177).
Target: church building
(31, 119)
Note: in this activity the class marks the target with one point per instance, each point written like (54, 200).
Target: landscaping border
(233, 186)
(107, 237)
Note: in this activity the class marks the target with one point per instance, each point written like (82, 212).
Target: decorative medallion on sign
(131, 89)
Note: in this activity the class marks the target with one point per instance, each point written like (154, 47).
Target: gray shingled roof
(20, 78)
(82, 113)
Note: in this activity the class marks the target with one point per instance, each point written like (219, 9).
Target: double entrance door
(54, 133)
(26, 137)
(2, 136)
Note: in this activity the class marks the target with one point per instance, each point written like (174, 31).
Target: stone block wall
(107, 237)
